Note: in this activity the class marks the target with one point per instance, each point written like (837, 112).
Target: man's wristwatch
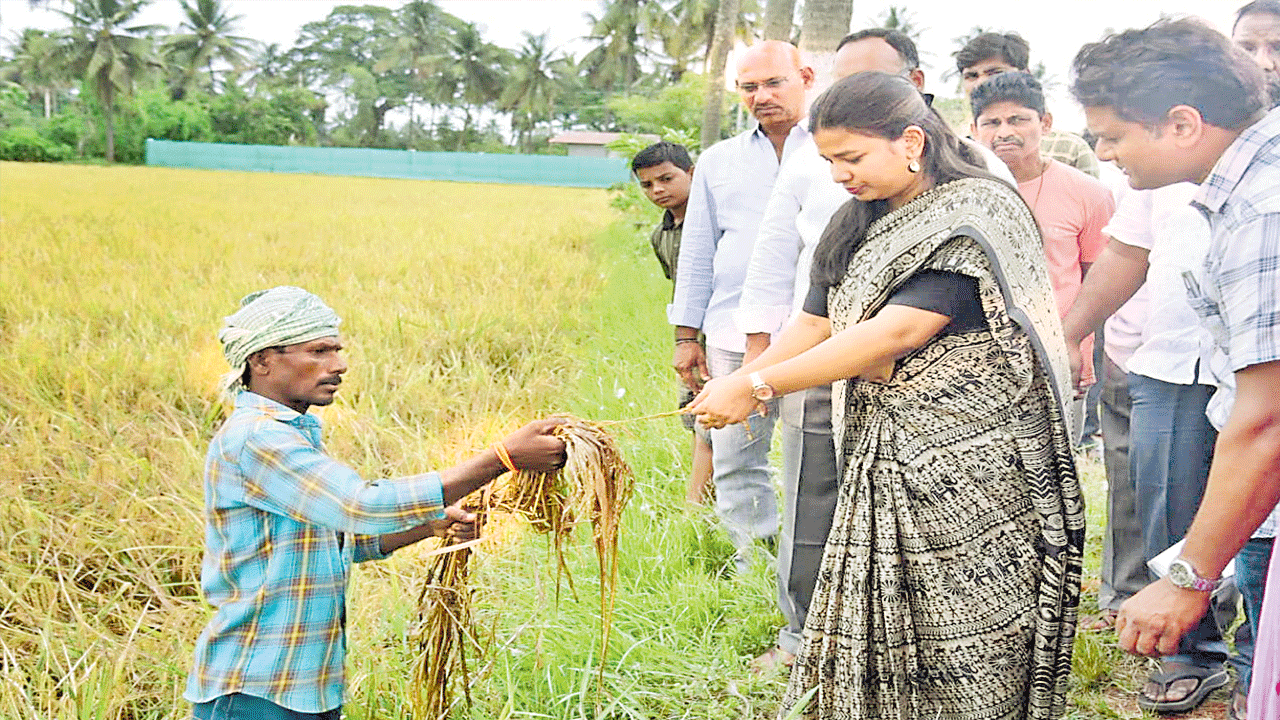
(1184, 576)
(760, 389)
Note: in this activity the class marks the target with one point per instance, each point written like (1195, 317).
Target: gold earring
(914, 166)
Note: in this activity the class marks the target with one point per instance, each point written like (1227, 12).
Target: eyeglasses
(771, 83)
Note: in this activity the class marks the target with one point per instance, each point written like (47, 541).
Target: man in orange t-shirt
(1070, 206)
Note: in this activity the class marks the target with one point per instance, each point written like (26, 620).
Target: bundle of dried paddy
(444, 631)
(596, 483)
(601, 482)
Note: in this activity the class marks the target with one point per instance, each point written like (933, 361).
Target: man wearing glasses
(727, 200)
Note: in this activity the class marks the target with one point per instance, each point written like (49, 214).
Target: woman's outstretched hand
(724, 401)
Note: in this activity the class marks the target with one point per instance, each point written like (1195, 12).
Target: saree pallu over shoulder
(949, 584)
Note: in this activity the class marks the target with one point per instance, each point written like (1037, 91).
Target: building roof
(589, 137)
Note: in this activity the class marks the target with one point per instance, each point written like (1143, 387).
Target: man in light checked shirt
(1178, 102)
(284, 521)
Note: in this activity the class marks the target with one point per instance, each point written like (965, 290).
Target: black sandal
(1207, 680)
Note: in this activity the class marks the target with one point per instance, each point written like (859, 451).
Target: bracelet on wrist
(685, 340)
(504, 457)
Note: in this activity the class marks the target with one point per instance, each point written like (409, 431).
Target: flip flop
(1207, 680)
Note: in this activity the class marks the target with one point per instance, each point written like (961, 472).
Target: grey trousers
(746, 502)
(810, 486)
(1124, 568)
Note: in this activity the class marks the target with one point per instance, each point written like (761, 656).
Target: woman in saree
(950, 580)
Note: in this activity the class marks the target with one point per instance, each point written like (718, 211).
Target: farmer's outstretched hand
(534, 448)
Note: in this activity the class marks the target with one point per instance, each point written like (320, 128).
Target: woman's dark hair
(881, 105)
(1142, 74)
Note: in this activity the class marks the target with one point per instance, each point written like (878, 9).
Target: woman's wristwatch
(760, 389)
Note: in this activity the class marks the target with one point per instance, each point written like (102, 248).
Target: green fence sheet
(461, 167)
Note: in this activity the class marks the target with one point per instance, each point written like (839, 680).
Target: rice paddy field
(468, 310)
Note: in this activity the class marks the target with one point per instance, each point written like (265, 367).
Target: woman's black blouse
(945, 293)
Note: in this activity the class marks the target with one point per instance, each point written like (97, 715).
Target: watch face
(1180, 574)
(763, 392)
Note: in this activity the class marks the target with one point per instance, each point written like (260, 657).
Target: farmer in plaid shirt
(284, 521)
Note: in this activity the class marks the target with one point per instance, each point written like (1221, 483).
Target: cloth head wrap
(268, 318)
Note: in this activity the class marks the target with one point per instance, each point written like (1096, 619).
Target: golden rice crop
(460, 306)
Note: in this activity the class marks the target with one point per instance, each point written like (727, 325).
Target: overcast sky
(1055, 30)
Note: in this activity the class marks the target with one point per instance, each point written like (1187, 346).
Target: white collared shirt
(1172, 346)
(731, 187)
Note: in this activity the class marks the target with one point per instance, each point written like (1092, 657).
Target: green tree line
(105, 82)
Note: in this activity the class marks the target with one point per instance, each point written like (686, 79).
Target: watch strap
(1196, 581)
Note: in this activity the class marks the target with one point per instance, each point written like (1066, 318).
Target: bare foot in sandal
(1239, 709)
(1104, 621)
(772, 660)
(1179, 687)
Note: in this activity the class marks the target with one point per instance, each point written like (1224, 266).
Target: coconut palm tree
(534, 85)
(205, 37)
(683, 32)
(726, 17)
(619, 31)
(471, 69)
(686, 31)
(422, 33)
(108, 53)
(823, 24)
(37, 66)
(779, 18)
(900, 18)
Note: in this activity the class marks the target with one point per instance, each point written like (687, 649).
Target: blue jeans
(1251, 579)
(1170, 450)
(239, 706)
(746, 501)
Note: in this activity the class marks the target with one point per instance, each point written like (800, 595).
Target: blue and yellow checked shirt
(284, 522)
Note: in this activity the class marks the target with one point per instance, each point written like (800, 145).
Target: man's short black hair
(1016, 87)
(1142, 74)
(661, 152)
(1009, 47)
(899, 41)
(1257, 7)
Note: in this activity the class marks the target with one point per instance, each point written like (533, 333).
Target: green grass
(468, 310)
